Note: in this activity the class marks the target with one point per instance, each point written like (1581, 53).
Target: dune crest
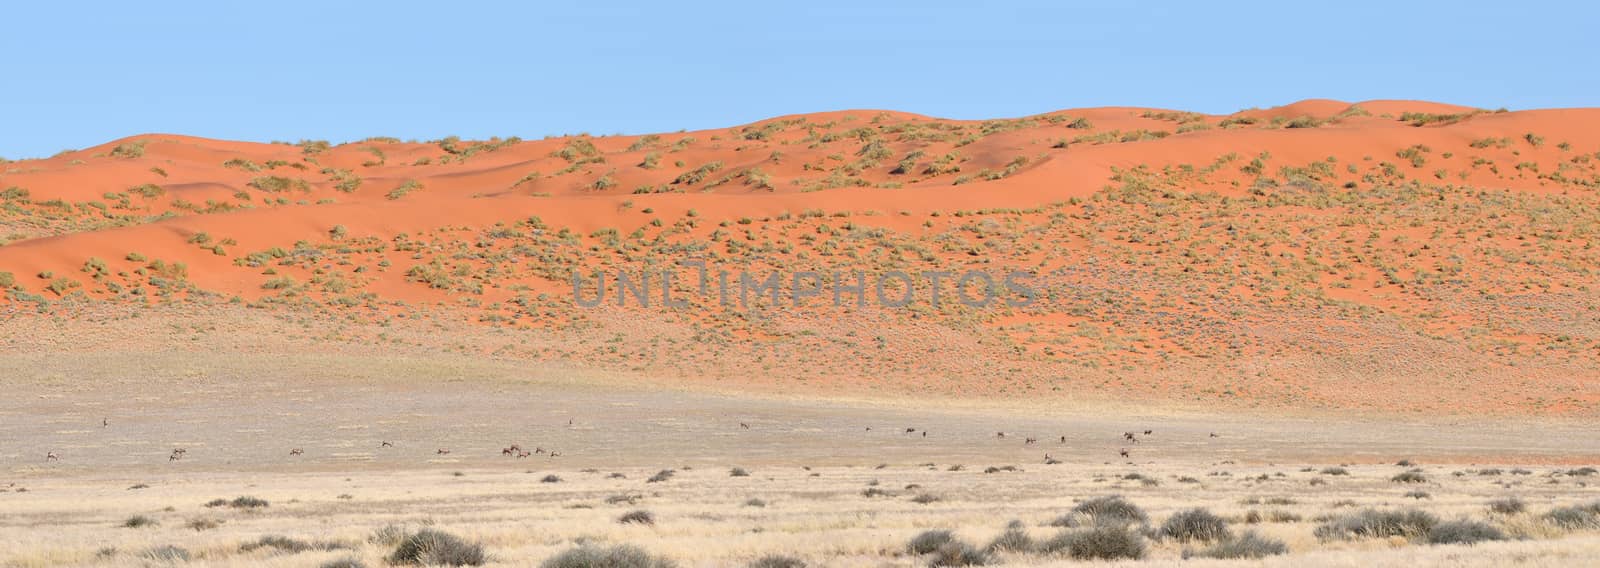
(1284, 249)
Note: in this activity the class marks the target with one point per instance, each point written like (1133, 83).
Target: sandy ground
(238, 417)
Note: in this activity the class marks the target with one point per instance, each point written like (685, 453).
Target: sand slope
(1323, 253)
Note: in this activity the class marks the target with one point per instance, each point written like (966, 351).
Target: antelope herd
(515, 450)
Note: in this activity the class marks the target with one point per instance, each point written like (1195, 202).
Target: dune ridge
(1371, 255)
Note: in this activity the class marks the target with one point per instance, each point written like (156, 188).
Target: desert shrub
(132, 149)
(639, 517)
(1274, 516)
(1098, 543)
(738, 472)
(1582, 472)
(615, 556)
(1335, 471)
(1409, 523)
(343, 563)
(165, 553)
(777, 561)
(552, 478)
(429, 547)
(198, 525)
(1246, 545)
(1108, 510)
(623, 498)
(1409, 477)
(405, 188)
(874, 492)
(1508, 506)
(1575, 517)
(1405, 463)
(1194, 524)
(244, 502)
(925, 499)
(1304, 122)
(286, 544)
(278, 184)
(754, 502)
(928, 541)
(1463, 532)
(957, 553)
(389, 535)
(1419, 494)
(1014, 539)
(661, 476)
(139, 522)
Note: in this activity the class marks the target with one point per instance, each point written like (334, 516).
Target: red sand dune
(1282, 246)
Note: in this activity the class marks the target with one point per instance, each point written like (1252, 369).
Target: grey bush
(1463, 532)
(1408, 523)
(615, 556)
(777, 561)
(1108, 510)
(429, 547)
(1098, 543)
(1508, 506)
(639, 517)
(1194, 524)
(928, 541)
(957, 553)
(1246, 545)
(1014, 539)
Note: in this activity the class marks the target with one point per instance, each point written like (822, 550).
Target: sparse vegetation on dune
(1377, 259)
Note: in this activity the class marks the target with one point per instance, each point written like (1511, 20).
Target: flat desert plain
(1323, 334)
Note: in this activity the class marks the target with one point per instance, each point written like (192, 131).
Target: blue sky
(77, 76)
